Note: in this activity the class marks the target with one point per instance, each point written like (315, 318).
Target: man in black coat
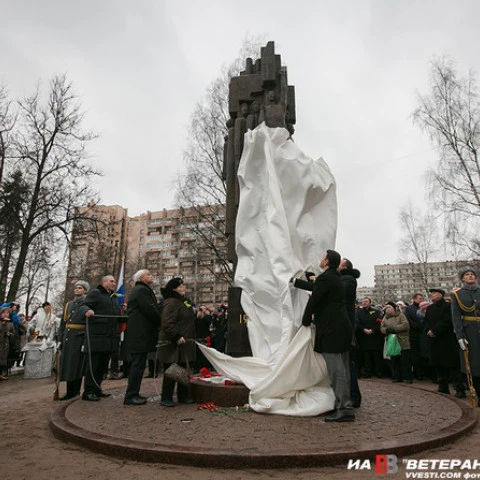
(370, 339)
(416, 330)
(102, 313)
(333, 334)
(349, 278)
(141, 333)
(444, 350)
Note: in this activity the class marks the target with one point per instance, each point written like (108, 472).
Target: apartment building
(178, 242)
(366, 292)
(97, 244)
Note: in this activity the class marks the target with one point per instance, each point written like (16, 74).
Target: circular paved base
(394, 419)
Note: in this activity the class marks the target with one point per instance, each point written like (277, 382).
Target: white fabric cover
(287, 218)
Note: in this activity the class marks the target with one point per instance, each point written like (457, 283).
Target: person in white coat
(45, 323)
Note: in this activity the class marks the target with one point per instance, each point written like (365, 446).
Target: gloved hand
(463, 343)
(390, 330)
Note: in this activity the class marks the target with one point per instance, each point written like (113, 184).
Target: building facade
(182, 242)
(97, 244)
(366, 292)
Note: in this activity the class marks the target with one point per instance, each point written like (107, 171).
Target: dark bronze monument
(259, 94)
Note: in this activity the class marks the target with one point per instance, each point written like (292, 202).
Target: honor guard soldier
(466, 323)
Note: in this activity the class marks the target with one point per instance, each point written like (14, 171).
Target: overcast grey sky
(140, 68)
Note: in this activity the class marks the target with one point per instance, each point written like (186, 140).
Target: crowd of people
(437, 339)
(16, 331)
(95, 336)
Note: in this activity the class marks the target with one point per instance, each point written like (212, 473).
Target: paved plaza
(392, 417)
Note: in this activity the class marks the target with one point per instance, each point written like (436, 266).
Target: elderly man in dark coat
(102, 315)
(443, 346)
(466, 322)
(333, 334)
(141, 333)
(72, 337)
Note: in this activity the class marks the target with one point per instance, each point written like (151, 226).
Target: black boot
(345, 415)
(443, 388)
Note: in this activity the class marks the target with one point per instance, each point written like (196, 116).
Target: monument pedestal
(238, 344)
(235, 395)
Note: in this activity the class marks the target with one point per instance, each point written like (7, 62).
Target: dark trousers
(402, 366)
(446, 375)
(115, 360)
(154, 368)
(73, 387)
(95, 369)
(137, 367)
(373, 362)
(416, 360)
(355, 394)
(168, 387)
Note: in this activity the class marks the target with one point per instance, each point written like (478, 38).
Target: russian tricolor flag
(121, 287)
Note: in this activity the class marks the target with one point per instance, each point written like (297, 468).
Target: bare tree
(49, 148)
(36, 273)
(450, 114)
(202, 186)
(419, 243)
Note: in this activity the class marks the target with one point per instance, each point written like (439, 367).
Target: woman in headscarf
(178, 327)
(396, 323)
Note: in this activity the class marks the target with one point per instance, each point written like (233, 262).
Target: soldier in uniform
(102, 315)
(466, 322)
(72, 336)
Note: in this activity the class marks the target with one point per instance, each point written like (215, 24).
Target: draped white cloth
(286, 218)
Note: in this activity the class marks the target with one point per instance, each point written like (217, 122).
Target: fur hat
(466, 269)
(173, 283)
(392, 304)
(82, 283)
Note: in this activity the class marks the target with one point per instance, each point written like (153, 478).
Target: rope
(462, 305)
